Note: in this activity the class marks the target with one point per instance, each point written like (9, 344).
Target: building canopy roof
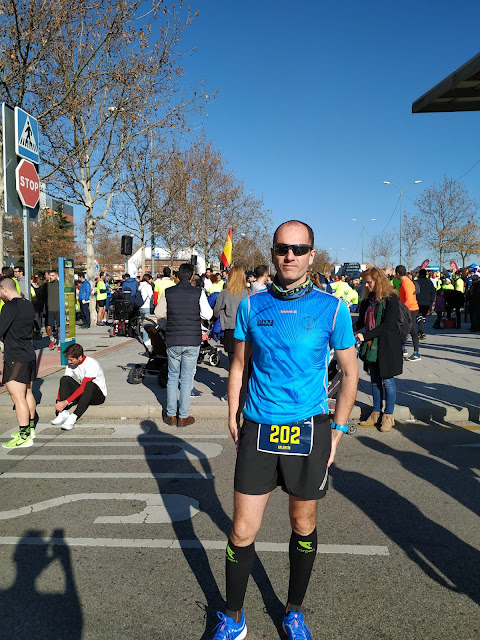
(460, 91)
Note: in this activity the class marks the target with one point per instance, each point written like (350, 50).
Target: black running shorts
(306, 477)
(53, 319)
(24, 372)
(101, 303)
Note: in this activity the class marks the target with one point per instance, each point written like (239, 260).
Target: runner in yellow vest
(460, 284)
(342, 290)
(161, 284)
(101, 293)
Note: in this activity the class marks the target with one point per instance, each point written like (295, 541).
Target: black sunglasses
(297, 249)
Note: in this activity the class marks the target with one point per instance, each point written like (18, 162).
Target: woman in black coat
(389, 354)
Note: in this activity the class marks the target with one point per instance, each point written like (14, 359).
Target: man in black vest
(183, 305)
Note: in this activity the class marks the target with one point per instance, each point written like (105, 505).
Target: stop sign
(28, 184)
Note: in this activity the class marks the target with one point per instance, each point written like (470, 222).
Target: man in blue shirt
(84, 300)
(286, 438)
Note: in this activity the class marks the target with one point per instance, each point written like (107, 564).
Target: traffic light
(126, 247)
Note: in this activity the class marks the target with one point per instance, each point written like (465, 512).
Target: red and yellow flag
(227, 250)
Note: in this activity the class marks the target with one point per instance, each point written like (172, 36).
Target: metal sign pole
(26, 253)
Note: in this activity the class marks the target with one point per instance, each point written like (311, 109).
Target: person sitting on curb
(82, 384)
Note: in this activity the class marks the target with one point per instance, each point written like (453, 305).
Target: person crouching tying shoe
(82, 384)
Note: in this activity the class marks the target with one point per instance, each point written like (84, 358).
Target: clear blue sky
(314, 105)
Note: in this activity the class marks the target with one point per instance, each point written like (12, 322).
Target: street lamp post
(363, 230)
(401, 203)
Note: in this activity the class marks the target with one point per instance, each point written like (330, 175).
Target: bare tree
(466, 241)
(215, 200)
(322, 262)
(121, 84)
(28, 30)
(387, 244)
(107, 248)
(443, 210)
(412, 238)
(382, 248)
(250, 252)
(373, 250)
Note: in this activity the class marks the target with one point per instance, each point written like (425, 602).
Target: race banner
(453, 266)
(424, 264)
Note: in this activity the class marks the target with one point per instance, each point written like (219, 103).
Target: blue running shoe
(227, 629)
(295, 627)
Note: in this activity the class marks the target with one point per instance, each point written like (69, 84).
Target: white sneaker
(69, 422)
(60, 419)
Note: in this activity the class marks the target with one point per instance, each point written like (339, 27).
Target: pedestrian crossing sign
(26, 135)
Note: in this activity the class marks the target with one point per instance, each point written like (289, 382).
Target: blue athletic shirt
(291, 342)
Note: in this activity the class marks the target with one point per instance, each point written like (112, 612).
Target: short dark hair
(401, 270)
(167, 272)
(7, 283)
(126, 275)
(7, 271)
(185, 272)
(422, 273)
(261, 271)
(19, 267)
(311, 238)
(74, 351)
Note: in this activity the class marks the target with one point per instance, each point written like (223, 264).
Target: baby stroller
(122, 314)
(208, 353)
(334, 380)
(157, 363)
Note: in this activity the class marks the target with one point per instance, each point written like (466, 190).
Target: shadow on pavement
(25, 613)
(423, 400)
(197, 559)
(460, 483)
(440, 554)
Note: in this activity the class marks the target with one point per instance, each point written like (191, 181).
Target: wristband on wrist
(340, 427)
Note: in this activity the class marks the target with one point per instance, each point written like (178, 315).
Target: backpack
(404, 321)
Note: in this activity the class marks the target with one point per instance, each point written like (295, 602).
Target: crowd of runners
(283, 328)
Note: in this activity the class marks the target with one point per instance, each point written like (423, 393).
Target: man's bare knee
(303, 516)
(243, 533)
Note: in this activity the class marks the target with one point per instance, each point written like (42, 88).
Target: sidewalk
(443, 386)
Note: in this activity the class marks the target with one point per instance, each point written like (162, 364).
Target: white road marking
(200, 450)
(474, 444)
(40, 457)
(170, 543)
(109, 443)
(164, 508)
(82, 475)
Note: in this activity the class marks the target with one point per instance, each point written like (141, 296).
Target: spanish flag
(227, 250)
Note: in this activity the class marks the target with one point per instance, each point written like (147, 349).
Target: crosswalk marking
(170, 543)
(94, 474)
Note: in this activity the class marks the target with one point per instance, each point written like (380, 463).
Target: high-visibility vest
(460, 285)
(342, 290)
(159, 287)
(101, 290)
(17, 286)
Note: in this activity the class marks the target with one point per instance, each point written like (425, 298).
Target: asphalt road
(117, 531)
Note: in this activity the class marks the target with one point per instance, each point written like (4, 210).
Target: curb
(217, 410)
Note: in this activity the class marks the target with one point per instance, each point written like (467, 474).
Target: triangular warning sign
(27, 139)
